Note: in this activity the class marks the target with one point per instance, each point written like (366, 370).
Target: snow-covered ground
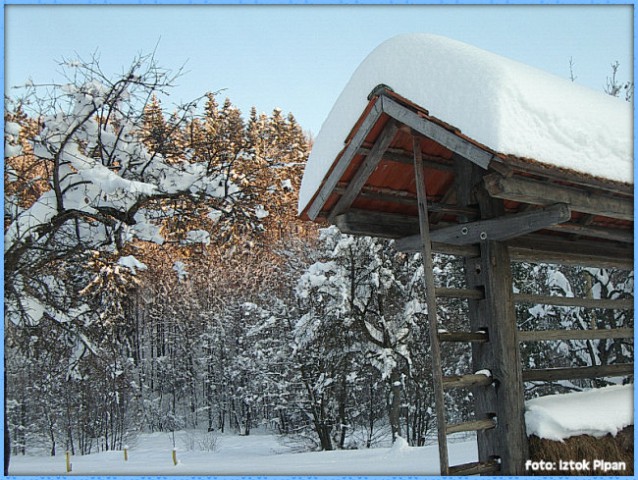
(246, 455)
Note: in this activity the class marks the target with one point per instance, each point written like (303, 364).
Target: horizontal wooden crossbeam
(466, 381)
(377, 224)
(594, 334)
(464, 337)
(471, 426)
(475, 468)
(400, 156)
(611, 303)
(503, 228)
(540, 248)
(544, 193)
(570, 373)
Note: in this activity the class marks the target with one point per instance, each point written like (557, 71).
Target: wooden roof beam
(436, 132)
(351, 150)
(540, 248)
(560, 250)
(544, 193)
(397, 155)
(365, 169)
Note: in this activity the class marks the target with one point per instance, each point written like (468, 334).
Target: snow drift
(594, 412)
(505, 105)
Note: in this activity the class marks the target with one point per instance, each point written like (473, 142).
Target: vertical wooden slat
(430, 290)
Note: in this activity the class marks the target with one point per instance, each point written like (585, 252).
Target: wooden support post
(430, 290)
(69, 465)
(501, 355)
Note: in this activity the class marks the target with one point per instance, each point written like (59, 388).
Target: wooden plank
(466, 381)
(594, 334)
(471, 426)
(477, 337)
(375, 224)
(475, 468)
(556, 174)
(539, 248)
(436, 132)
(428, 268)
(608, 303)
(503, 228)
(350, 151)
(397, 155)
(474, 293)
(401, 197)
(544, 193)
(500, 321)
(366, 168)
(570, 373)
(398, 197)
(489, 442)
(501, 355)
(605, 233)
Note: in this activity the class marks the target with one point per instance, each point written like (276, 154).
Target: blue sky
(300, 57)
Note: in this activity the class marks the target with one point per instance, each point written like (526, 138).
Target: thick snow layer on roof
(507, 106)
(594, 412)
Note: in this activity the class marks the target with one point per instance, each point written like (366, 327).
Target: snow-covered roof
(507, 106)
(594, 412)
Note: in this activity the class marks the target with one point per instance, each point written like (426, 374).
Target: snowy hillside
(250, 455)
(505, 105)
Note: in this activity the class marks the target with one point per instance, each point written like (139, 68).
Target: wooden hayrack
(407, 175)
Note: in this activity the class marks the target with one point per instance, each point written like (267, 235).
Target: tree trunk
(394, 405)
(7, 438)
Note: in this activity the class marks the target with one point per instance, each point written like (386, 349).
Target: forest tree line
(157, 278)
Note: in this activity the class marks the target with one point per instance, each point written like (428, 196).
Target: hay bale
(584, 455)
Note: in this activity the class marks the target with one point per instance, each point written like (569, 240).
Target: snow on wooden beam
(365, 170)
(343, 163)
(543, 193)
(436, 132)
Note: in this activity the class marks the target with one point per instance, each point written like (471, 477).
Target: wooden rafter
(343, 163)
(365, 170)
(401, 156)
(436, 132)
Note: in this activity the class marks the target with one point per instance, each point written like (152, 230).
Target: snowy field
(251, 455)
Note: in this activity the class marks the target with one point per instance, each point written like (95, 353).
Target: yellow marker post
(126, 453)
(69, 466)
(174, 456)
